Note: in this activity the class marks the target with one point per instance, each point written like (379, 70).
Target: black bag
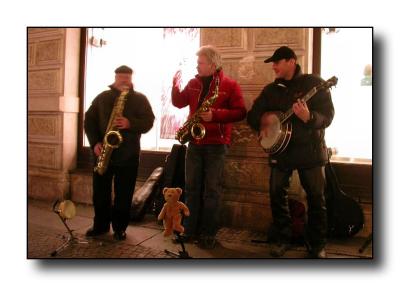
(143, 197)
(173, 176)
(345, 215)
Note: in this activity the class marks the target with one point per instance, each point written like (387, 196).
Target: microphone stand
(181, 254)
(71, 238)
(366, 243)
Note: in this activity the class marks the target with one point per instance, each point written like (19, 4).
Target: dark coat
(307, 147)
(137, 110)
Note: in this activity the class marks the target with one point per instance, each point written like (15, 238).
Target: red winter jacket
(229, 107)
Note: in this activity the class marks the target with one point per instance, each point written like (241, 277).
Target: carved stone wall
(245, 201)
(53, 65)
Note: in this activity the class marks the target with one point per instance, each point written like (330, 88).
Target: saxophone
(113, 138)
(192, 128)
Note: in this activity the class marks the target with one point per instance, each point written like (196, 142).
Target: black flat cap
(123, 69)
(283, 52)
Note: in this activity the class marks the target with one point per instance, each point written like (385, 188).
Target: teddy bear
(172, 211)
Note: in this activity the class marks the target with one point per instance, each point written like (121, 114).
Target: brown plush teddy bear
(172, 211)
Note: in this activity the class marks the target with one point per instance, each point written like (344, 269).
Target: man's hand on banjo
(300, 108)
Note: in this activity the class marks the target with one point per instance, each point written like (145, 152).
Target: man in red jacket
(206, 153)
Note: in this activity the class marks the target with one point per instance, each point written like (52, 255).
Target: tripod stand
(65, 210)
(181, 254)
(366, 243)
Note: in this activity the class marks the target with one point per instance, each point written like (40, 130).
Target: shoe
(120, 235)
(278, 250)
(208, 242)
(320, 253)
(95, 232)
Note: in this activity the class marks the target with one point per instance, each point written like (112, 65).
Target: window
(347, 54)
(155, 54)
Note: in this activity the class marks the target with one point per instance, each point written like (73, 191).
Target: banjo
(276, 129)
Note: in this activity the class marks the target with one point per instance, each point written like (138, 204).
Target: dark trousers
(116, 212)
(204, 169)
(313, 182)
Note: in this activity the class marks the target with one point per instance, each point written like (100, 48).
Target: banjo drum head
(273, 132)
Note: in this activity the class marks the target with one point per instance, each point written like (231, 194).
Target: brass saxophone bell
(198, 131)
(192, 127)
(113, 139)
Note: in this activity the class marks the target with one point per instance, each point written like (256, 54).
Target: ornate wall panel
(44, 155)
(241, 135)
(49, 52)
(269, 39)
(250, 174)
(227, 40)
(49, 185)
(43, 32)
(250, 93)
(246, 71)
(46, 47)
(244, 142)
(44, 127)
(249, 71)
(264, 72)
(45, 81)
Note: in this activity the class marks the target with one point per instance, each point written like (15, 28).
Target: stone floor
(46, 233)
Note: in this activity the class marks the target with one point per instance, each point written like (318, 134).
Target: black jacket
(137, 110)
(307, 146)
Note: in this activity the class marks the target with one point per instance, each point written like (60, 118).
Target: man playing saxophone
(127, 113)
(215, 101)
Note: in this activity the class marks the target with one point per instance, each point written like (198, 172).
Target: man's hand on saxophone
(97, 149)
(122, 122)
(206, 115)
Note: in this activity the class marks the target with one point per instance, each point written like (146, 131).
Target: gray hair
(212, 54)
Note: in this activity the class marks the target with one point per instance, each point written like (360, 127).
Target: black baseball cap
(283, 52)
(124, 69)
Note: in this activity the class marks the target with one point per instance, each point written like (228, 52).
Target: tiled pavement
(145, 240)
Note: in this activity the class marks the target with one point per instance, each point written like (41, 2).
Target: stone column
(53, 106)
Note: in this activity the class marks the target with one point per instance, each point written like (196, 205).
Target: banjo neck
(325, 85)
(307, 97)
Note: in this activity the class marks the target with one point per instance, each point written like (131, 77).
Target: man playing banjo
(292, 130)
